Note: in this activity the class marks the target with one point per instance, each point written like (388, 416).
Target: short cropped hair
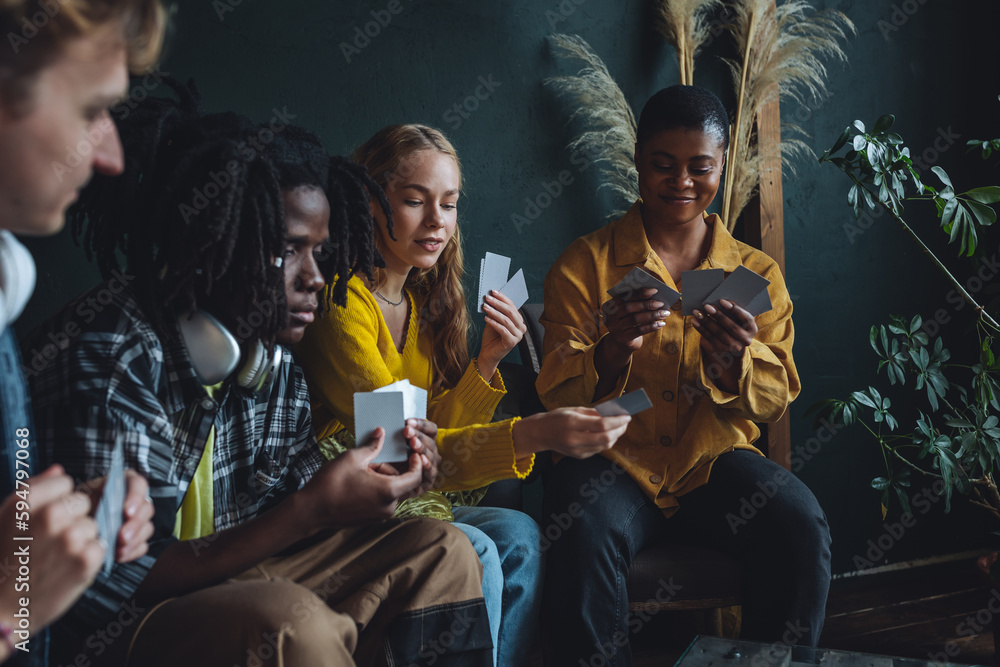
(691, 107)
(36, 31)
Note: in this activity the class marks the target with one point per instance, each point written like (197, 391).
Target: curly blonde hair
(440, 286)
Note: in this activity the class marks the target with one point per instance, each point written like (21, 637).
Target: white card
(741, 287)
(515, 289)
(697, 285)
(112, 504)
(493, 272)
(389, 407)
(638, 279)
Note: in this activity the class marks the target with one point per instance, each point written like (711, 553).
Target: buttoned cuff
(713, 369)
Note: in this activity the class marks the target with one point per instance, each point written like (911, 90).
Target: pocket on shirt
(267, 472)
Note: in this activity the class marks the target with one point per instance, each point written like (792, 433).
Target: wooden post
(765, 229)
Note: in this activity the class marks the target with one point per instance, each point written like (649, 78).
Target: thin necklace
(402, 297)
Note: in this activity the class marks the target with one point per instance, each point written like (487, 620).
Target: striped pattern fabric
(98, 369)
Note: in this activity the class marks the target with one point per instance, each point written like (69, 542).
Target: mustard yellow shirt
(350, 349)
(669, 449)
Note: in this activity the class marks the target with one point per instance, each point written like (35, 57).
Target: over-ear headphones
(17, 278)
(215, 353)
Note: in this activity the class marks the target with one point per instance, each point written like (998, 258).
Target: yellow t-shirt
(196, 515)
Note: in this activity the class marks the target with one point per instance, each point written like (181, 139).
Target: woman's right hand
(576, 432)
(63, 555)
(628, 320)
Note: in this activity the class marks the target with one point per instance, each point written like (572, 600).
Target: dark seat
(711, 578)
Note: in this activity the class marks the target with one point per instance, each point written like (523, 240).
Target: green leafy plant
(956, 436)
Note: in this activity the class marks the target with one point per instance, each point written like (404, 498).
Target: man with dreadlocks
(264, 553)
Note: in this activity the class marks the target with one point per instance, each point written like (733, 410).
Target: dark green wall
(432, 55)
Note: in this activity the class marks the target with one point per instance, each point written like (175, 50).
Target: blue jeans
(15, 413)
(507, 542)
(596, 518)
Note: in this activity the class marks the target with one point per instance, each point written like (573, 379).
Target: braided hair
(199, 218)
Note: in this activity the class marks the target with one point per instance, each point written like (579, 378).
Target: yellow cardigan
(350, 349)
(668, 450)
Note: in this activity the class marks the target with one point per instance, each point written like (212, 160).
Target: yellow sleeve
(768, 379)
(471, 401)
(340, 355)
(574, 292)
(474, 456)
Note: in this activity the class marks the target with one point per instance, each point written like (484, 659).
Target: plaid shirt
(115, 375)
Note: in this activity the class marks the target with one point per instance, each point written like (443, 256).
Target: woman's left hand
(504, 329)
(725, 332)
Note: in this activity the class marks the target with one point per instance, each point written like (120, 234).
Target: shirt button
(191, 463)
(672, 348)
(655, 479)
(208, 404)
(666, 441)
(668, 395)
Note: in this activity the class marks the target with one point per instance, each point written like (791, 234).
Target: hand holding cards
(709, 286)
(627, 404)
(389, 407)
(637, 280)
(493, 276)
(704, 286)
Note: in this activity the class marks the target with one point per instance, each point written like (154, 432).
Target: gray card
(372, 410)
(697, 285)
(760, 304)
(628, 404)
(516, 290)
(638, 279)
(389, 407)
(741, 287)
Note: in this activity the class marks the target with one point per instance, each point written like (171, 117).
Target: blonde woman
(409, 321)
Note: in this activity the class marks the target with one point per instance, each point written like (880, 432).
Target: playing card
(493, 272)
(515, 289)
(112, 504)
(697, 285)
(629, 404)
(638, 279)
(760, 304)
(741, 287)
(389, 407)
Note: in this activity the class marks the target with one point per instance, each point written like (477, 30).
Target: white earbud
(17, 278)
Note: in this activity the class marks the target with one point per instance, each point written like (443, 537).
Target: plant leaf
(883, 123)
(863, 399)
(841, 140)
(942, 174)
(987, 195)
